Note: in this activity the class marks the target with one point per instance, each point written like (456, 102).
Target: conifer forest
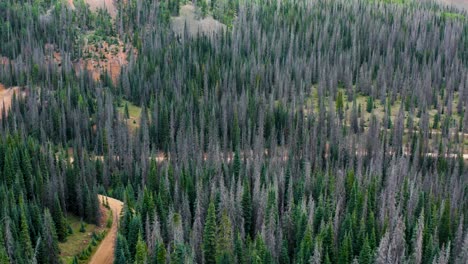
(233, 131)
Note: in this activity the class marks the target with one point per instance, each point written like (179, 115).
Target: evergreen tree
(160, 257)
(224, 244)
(141, 251)
(209, 236)
(50, 252)
(60, 221)
(25, 240)
(370, 104)
(4, 259)
(247, 210)
(365, 257)
(445, 224)
(122, 253)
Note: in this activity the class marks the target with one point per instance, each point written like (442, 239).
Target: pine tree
(445, 224)
(203, 7)
(239, 249)
(370, 104)
(209, 236)
(134, 232)
(247, 210)
(126, 111)
(178, 255)
(305, 248)
(8, 171)
(60, 222)
(346, 250)
(365, 257)
(339, 104)
(160, 257)
(141, 251)
(122, 254)
(4, 259)
(25, 240)
(50, 251)
(224, 244)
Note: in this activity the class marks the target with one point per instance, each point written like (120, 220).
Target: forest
(235, 131)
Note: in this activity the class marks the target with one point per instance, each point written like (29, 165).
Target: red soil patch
(4, 61)
(97, 59)
(109, 5)
(6, 96)
(71, 4)
(102, 58)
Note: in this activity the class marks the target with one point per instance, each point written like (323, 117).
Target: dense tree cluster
(310, 131)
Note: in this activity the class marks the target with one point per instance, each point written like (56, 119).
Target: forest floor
(105, 252)
(188, 16)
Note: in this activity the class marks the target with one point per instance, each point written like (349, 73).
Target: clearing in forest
(109, 5)
(101, 56)
(79, 241)
(188, 17)
(132, 117)
(6, 96)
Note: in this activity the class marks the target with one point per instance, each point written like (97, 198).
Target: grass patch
(79, 242)
(452, 15)
(312, 102)
(134, 113)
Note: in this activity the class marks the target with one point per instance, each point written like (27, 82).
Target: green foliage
(60, 221)
(203, 5)
(370, 104)
(209, 236)
(445, 231)
(122, 253)
(339, 104)
(82, 227)
(224, 245)
(247, 209)
(141, 251)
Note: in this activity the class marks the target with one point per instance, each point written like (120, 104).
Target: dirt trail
(105, 252)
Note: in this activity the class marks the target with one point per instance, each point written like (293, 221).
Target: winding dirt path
(105, 252)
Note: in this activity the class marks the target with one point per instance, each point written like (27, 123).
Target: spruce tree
(60, 221)
(122, 254)
(25, 240)
(4, 259)
(224, 244)
(247, 210)
(50, 251)
(141, 251)
(209, 236)
(365, 257)
(160, 256)
(445, 224)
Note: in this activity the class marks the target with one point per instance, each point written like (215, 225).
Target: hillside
(233, 131)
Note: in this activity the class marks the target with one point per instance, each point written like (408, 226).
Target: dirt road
(105, 252)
